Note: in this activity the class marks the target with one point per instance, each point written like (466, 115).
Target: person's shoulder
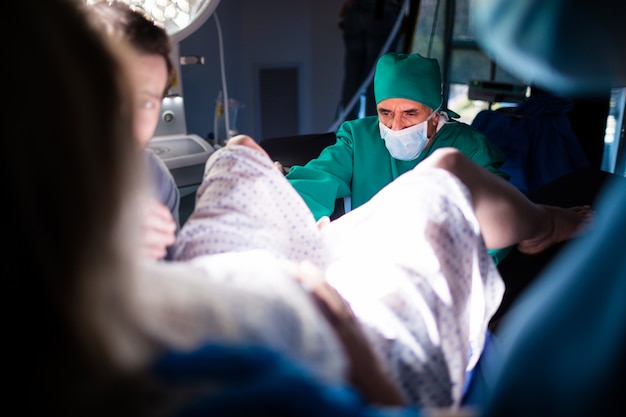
(151, 158)
(456, 123)
(366, 123)
(462, 128)
(159, 171)
(154, 162)
(469, 138)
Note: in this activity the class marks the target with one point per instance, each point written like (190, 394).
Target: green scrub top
(358, 165)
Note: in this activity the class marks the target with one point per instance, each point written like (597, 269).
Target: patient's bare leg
(505, 215)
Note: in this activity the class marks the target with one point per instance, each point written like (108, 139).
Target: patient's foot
(564, 224)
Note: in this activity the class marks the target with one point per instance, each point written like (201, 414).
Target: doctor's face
(149, 78)
(400, 113)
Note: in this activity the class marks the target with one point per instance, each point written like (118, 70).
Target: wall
(265, 34)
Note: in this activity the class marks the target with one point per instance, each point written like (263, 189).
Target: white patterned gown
(411, 262)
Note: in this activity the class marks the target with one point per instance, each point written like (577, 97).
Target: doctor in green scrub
(373, 151)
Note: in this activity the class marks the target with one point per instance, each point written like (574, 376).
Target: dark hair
(67, 157)
(137, 28)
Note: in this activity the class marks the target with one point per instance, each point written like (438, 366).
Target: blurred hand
(158, 229)
(281, 168)
(366, 372)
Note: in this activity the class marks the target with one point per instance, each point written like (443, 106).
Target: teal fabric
(498, 255)
(421, 79)
(223, 380)
(359, 165)
(567, 46)
(562, 347)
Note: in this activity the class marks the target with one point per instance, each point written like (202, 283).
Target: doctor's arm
(323, 180)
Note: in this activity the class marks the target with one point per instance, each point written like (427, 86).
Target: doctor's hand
(366, 372)
(281, 168)
(158, 229)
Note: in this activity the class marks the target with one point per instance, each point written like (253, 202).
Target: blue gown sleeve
(253, 380)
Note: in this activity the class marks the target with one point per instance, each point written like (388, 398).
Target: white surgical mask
(406, 144)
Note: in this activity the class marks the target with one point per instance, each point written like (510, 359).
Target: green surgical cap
(408, 76)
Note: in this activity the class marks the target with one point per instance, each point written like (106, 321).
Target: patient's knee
(450, 159)
(245, 140)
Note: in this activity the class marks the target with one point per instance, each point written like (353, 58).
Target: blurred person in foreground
(109, 334)
(562, 346)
